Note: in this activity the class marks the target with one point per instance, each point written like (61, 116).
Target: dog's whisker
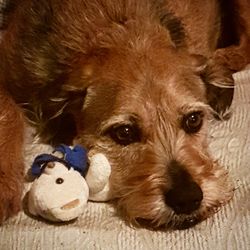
(223, 85)
(58, 99)
(59, 112)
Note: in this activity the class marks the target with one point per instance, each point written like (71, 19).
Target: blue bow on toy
(75, 158)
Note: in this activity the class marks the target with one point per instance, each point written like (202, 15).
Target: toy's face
(59, 194)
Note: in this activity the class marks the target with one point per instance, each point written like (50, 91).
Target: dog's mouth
(174, 224)
(185, 223)
(175, 221)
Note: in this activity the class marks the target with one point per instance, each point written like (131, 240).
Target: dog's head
(145, 108)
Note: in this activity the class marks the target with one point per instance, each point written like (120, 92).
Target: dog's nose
(184, 199)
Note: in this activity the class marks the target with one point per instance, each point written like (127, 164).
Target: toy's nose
(71, 204)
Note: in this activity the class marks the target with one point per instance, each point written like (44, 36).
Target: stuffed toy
(60, 192)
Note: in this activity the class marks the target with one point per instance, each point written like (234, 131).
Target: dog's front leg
(11, 157)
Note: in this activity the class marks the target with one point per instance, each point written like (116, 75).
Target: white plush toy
(60, 192)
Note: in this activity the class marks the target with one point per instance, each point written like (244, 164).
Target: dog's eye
(125, 134)
(192, 122)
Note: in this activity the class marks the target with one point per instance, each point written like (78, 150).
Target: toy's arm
(98, 178)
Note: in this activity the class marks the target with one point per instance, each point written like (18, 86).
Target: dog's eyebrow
(174, 25)
(196, 106)
(123, 119)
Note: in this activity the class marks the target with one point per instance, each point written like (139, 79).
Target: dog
(137, 80)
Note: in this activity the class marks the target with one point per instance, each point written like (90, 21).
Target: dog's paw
(232, 58)
(10, 200)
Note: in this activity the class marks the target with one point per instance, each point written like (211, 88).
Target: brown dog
(130, 79)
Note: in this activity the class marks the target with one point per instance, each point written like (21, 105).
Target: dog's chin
(169, 220)
(183, 221)
(177, 221)
(187, 223)
(174, 224)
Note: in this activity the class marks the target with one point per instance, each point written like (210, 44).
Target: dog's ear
(56, 122)
(57, 111)
(219, 84)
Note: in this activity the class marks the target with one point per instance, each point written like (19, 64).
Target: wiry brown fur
(11, 158)
(82, 68)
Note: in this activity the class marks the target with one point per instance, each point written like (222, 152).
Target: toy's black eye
(59, 180)
(125, 134)
(192, 122)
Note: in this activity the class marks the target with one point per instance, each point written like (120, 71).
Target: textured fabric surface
(100, 228)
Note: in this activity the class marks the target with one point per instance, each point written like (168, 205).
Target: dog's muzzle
(185, 195)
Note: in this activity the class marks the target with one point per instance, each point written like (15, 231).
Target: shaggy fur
(137, 81)
(11, 158)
